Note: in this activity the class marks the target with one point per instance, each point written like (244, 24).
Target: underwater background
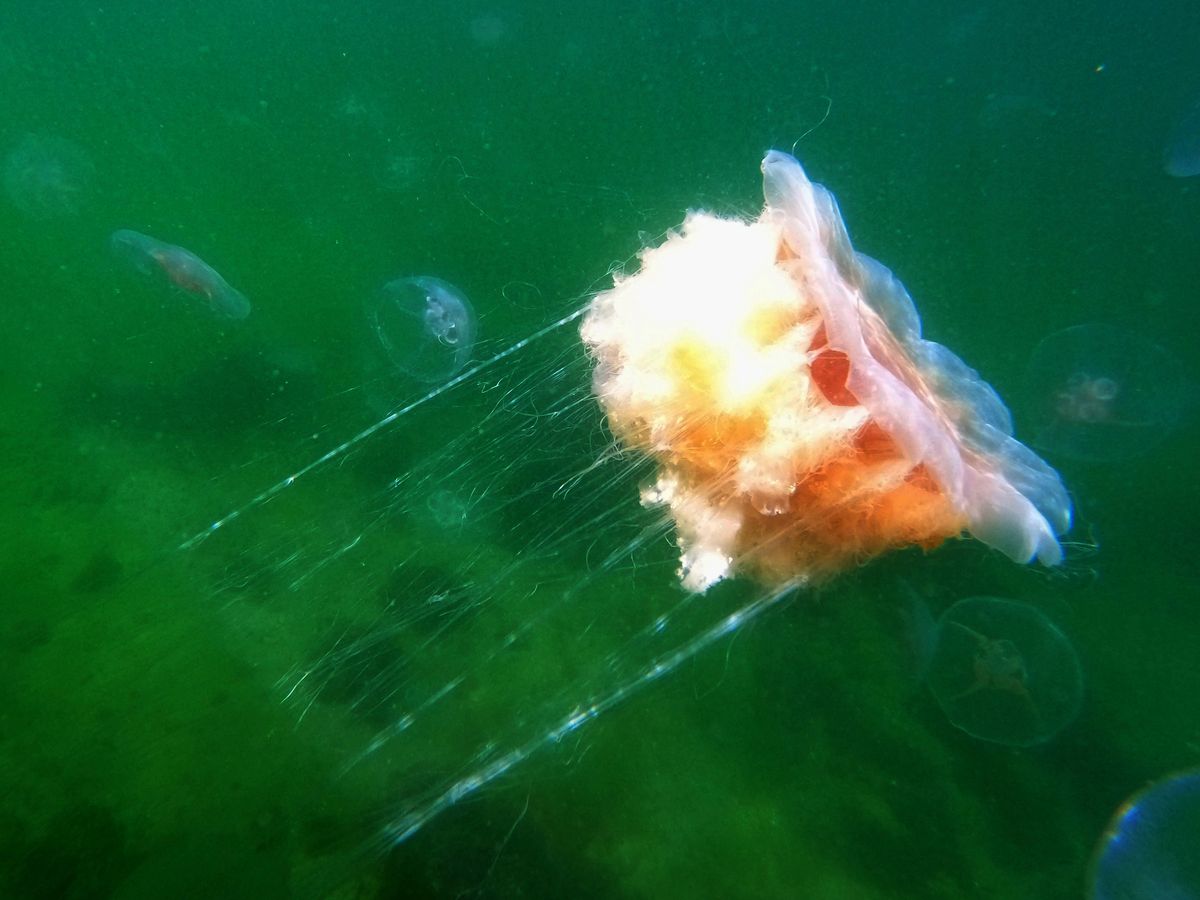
(158, 734)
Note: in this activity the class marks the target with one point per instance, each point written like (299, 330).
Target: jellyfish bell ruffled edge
(800, 423)
(938, 409)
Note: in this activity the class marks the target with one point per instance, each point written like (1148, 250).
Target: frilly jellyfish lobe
(1151, 850)
(1004, 673)
(1104, 393)
(1182, 155)
(425, 326)
(47, 177)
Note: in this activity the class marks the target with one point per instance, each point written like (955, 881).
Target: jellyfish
(488, 29)
(426, 326)
(1181, 158)
(181, 269)
(401, 173)
(1004, 673)
(1104, 393)
(753, 412)
(1148, 851)
(47, 177)
(800, 423)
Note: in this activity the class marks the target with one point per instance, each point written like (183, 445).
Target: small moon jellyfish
(47, 177)
(1003, 672)
(1150, 849)
(1181, 158)
(181, 269)
(425, 325)
(1105, 394)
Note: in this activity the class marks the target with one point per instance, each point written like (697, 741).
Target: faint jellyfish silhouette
(448, 509)
(1181, 158)
(181, 269)
(1149, 851)
(1003, 672)
(47, 177)
(401, 173)
(1105, 393)
(425, 326)
(361, 110)
(966, 27)
(488, 29)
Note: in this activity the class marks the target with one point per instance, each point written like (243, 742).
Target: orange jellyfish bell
(799, 421)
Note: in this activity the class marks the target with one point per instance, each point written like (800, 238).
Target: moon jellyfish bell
(1104, 393)
(425, 325)
(1149, 851)
(1003, 672)
(47, 177)
(800, 423)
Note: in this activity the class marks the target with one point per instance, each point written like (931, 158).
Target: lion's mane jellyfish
(47, 177)
(1149, 849)
(1104, 393)
(799, 422)
(425, 325)
(1004, 673)
(181, 269)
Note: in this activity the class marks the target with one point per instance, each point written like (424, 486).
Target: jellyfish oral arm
(1004, 519)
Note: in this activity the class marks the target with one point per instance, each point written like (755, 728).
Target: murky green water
(404, 636)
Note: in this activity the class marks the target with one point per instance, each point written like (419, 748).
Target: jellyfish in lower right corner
(1181, 158)
(1003, 672)
(1149, 851)
(1104, 393)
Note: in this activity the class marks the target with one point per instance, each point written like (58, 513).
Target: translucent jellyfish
(1181, 158)
(799, 421)
(181, 269)
(400, 173)
(425, 326)
(1004, 673)
(449, 510)
(488, 29)
(47, 177)
(1104, 393)
(1149, 851)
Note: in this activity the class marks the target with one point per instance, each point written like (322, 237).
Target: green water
(160, 733)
